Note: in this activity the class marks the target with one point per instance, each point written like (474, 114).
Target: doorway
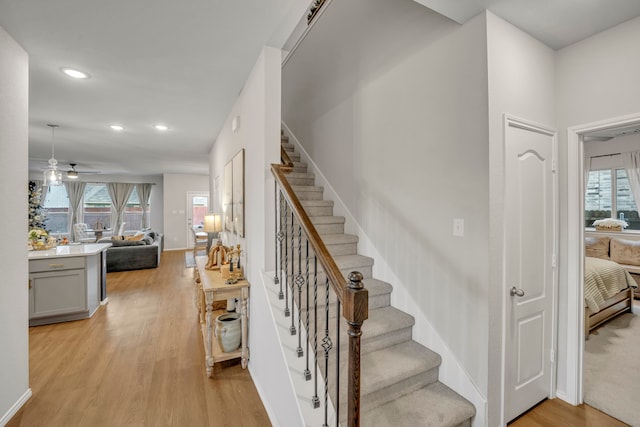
(197, 208)
(575, 249)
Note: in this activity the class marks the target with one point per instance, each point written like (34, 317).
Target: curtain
(75, 191)
(144, 193)
(119, 193)
(43, 190)
(632, 167)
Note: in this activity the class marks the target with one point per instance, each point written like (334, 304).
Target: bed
(608, 292)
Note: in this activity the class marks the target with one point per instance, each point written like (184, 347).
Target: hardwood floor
(555, 412)
(138, 362)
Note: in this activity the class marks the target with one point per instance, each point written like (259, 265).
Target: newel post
(356, 311)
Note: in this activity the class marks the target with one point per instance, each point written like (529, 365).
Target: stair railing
(291, 223)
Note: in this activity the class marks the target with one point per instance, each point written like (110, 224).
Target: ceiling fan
(73, 172)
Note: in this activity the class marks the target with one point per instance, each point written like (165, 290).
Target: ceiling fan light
(76, 74)
(72, 174)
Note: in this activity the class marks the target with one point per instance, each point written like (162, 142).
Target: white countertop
(85, 249)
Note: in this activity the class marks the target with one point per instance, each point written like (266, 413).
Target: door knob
(516, 292)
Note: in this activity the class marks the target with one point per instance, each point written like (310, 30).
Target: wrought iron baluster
(327, 345)
(315, 399)
(281, 236)
(287, 313)
(276, 280)
(292, 329)
(338, 317)
(307, 372)
(299, 283)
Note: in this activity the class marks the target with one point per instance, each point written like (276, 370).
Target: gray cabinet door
(57, 292)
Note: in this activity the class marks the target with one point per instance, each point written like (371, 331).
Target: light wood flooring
(555, 412)
(138, 362)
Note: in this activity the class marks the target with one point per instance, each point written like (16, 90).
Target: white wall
(404, 143)
(258, 107)
(14, 323)
(175, 188)
(596, 79)
(521, 83)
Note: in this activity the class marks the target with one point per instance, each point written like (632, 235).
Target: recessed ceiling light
(76, 74)
(161, 127)
(116, 127)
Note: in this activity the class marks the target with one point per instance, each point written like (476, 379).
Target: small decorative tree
(36, 211)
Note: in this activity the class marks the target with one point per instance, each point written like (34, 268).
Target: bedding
(602, 280)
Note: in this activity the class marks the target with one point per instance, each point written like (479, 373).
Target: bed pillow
(596, 247)
(625, 251)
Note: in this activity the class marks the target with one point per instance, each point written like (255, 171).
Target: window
(56, 205)
(96, 206)
(608, 191)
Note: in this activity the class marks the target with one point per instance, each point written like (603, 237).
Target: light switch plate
(458, 227)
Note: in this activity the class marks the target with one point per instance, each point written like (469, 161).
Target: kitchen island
(66, 283)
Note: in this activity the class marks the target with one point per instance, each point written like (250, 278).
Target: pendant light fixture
(52, 176)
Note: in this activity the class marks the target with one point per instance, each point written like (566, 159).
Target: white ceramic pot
(228, 331)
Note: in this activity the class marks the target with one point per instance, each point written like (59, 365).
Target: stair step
(296, 178)
(288, 146)
(318, 207)
(283, 137)
(299, 167)
(390, 373)
(337, 244)
(294, 156)
(308, 192)
(346, 264)
(433, 406)
(379, 294)
(385, 327)
(324, 225)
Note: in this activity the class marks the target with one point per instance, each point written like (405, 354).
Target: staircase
(399, 378)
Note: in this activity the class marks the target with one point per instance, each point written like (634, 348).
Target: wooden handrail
(287, 164)
(352, 295)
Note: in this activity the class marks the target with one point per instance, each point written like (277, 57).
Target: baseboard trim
(16, 407)
(104, 301)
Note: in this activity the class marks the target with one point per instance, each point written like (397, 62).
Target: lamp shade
(212, 223)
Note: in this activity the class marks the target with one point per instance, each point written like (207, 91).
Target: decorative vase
(228, 331)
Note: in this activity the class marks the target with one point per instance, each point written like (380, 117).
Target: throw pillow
(625, 251)
(136, 237)
(596, 247)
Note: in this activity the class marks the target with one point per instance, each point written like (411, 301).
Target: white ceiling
(184, 63)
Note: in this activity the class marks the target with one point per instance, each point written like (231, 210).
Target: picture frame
(238, 193)
(227, 196)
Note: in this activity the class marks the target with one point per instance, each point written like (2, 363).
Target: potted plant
(610, 224)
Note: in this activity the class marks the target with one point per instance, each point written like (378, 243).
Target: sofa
(625, 252)
(134, 252)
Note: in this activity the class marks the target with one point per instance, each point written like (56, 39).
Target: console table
(210, 287)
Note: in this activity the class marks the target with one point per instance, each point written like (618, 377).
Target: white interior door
(530, 265)
(197, 208)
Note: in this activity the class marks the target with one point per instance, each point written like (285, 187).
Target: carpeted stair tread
(300, 175)
(324, 219)
(392, 372)
(382, 367)
(299, 167)
(308, 192)
(433, 406)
